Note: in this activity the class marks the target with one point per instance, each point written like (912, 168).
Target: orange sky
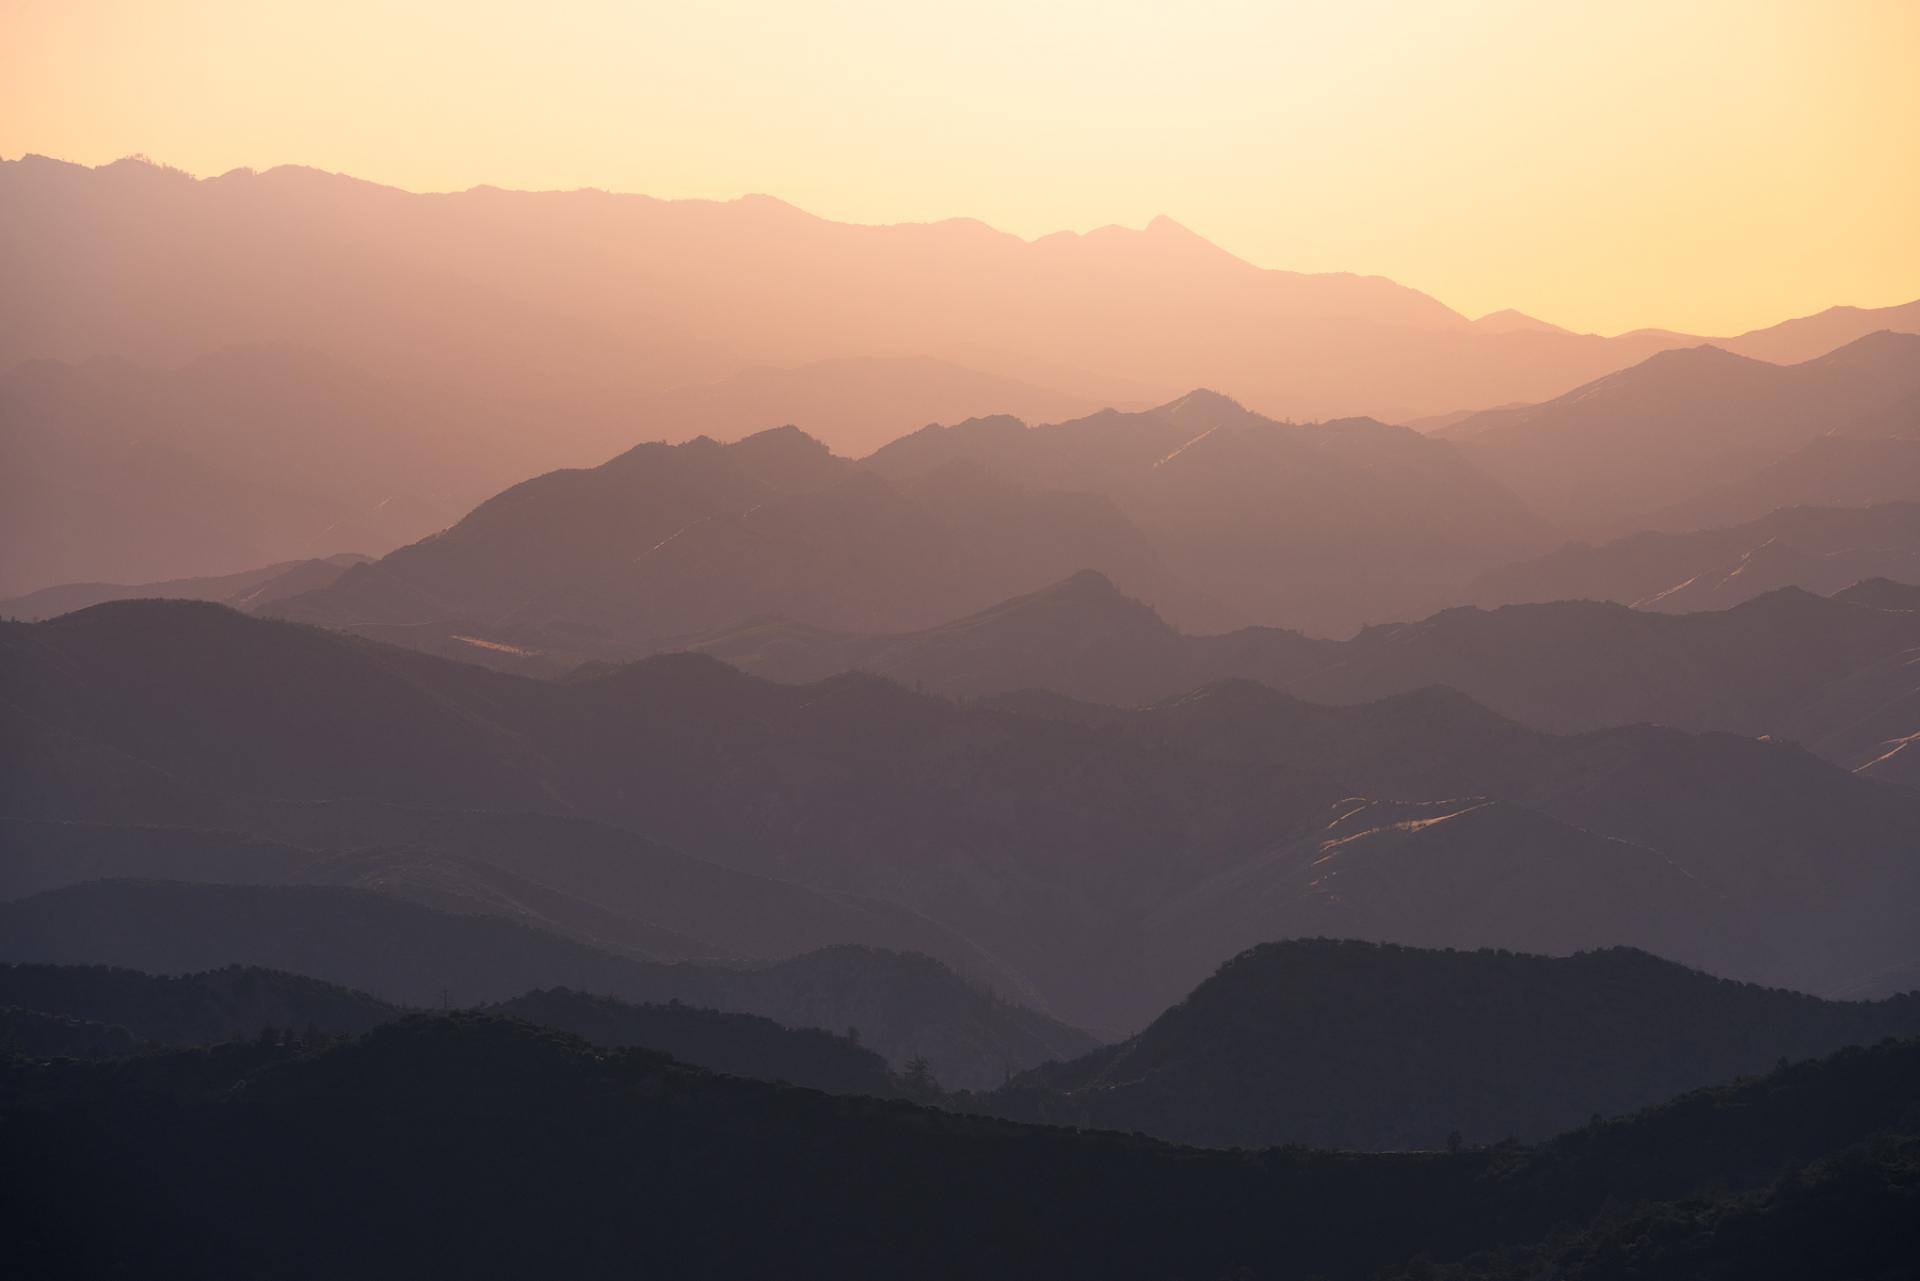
(1691, 164)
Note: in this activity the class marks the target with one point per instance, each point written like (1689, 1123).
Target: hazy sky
(1692, 164)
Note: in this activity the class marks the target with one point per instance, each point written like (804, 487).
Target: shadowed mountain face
(1697, 437)
(904, 1006)
(578, 301)
(1108, 859)
(537, 1147)
(1351, 1045)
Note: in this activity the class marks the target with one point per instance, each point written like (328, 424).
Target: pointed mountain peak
(787, 439)
(1086, 584)
(1509, 321)
(1161, 225)
(1878, 347)
(1201, 400)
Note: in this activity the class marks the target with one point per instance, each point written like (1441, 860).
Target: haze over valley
(1226, 644)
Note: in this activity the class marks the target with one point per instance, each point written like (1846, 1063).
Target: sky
(1690, 164)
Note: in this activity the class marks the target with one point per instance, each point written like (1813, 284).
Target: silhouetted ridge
(906, 1006)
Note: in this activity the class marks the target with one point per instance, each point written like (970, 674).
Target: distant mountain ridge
(1820, 549)
(1199, 505)
(141, 261)
(1785, 663)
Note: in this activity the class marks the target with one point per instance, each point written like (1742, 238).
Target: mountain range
(574, 733)
(1217, 515)
(1207, 509)
(1093, 860)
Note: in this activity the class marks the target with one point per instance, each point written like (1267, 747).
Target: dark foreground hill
(477, 1147)
(903, 1006)
(1358, 1045)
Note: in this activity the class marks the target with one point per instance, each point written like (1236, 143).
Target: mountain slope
(1606, 457)
(1820, 549)
(904, 1006)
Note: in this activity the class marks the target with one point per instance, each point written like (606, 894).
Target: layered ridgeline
(1356, 1045)
(57, 1011)
(1831, 673)
(486, 1147)
(1217, 515)
(1094, 860)
(904, 1007)
(1201, 506)
(1316, 1042)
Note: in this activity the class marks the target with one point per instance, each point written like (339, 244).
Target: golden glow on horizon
(1708, 166)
